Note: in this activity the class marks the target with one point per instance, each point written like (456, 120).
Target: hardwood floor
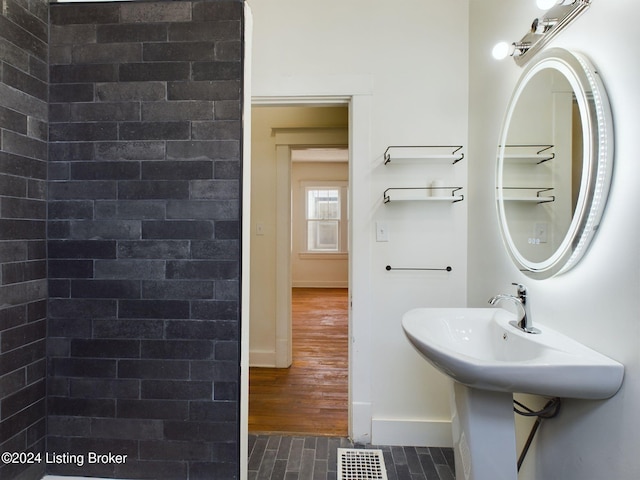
(310, 397)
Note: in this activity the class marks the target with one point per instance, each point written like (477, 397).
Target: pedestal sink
(489, 360)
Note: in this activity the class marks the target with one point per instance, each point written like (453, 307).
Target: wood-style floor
(310, 397)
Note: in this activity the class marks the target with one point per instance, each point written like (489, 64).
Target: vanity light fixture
(559, 15)
(503, 49)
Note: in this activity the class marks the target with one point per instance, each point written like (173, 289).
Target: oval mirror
(554, 163)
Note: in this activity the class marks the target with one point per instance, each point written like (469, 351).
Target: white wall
(404, 66)
(597, 302)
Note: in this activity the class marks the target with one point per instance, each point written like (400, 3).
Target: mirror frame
(597, 162)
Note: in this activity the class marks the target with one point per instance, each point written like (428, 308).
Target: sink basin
(478, 347)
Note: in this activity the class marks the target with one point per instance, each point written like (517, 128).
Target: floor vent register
(361, 464)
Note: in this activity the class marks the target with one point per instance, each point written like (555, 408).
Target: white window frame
(342, 187)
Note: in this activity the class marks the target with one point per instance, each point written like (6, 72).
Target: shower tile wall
(23, 284)
(143, 237)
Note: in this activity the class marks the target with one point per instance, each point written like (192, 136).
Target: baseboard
(262, 358)
(424, 433)
(316, 284)
(361, 422)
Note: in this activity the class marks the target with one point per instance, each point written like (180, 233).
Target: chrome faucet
(524, 323)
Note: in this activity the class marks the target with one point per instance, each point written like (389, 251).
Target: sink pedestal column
(483, 430)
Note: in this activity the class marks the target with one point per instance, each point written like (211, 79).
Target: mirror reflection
(542, 165)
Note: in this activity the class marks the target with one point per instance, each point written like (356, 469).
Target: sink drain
(361, 464)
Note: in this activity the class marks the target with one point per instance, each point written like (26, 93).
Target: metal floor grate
(359, 464)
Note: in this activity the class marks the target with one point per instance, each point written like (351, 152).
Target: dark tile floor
(279, 457)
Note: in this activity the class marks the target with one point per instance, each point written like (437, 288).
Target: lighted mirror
(554, 163)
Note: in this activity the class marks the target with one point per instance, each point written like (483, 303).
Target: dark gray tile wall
(143, 237)
(23, 275)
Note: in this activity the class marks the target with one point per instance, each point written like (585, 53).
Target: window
(324, 215)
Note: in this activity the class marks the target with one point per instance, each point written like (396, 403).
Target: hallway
(310, 397)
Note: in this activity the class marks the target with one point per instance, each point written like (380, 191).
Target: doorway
(287, 324)
(357, 95)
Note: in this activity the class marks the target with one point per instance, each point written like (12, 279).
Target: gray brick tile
(177, 349)
(203, 209)
(24, 146)
(83, 131)
(13, 121)
(257, 452)
(153, 190)
(179, 130)
(110, 112)
(207, 11)
(187, 290)
(188, 110)
(125, 156)
(316, 458)
(207, 329)
(81, 190)
(24, 82)
(83, 73)
(154, 71)
(177, 229)
(151, 90)
(179, 51)
(157, 309)
(70, 34)
(204, 90)
(131, 32)
(129, 209)
(105, 53)
(229, 51)
(155, 12)
(105, 229)
(184, 170)
(266, 465)
(204, 30)
(154, 249)
(216, 130)
(178, 451)
(128, 328)
(127, 269)
(71, 15)
(154, 369)
(136, 150)
(73, 209)
(70, 151)
(215, 189)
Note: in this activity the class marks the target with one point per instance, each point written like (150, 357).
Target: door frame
(357, 95)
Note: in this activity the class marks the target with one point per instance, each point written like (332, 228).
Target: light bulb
(501, 50)
(546, 4)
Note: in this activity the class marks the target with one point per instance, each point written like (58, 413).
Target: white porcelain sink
(478, 348)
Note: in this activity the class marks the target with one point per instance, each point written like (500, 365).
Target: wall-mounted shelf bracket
(534, 153)
(539, 198)
(423, 152)
(430, 194)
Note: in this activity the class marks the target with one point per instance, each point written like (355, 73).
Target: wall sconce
(559, 15)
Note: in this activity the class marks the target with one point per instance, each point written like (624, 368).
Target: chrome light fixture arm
(543, 29)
